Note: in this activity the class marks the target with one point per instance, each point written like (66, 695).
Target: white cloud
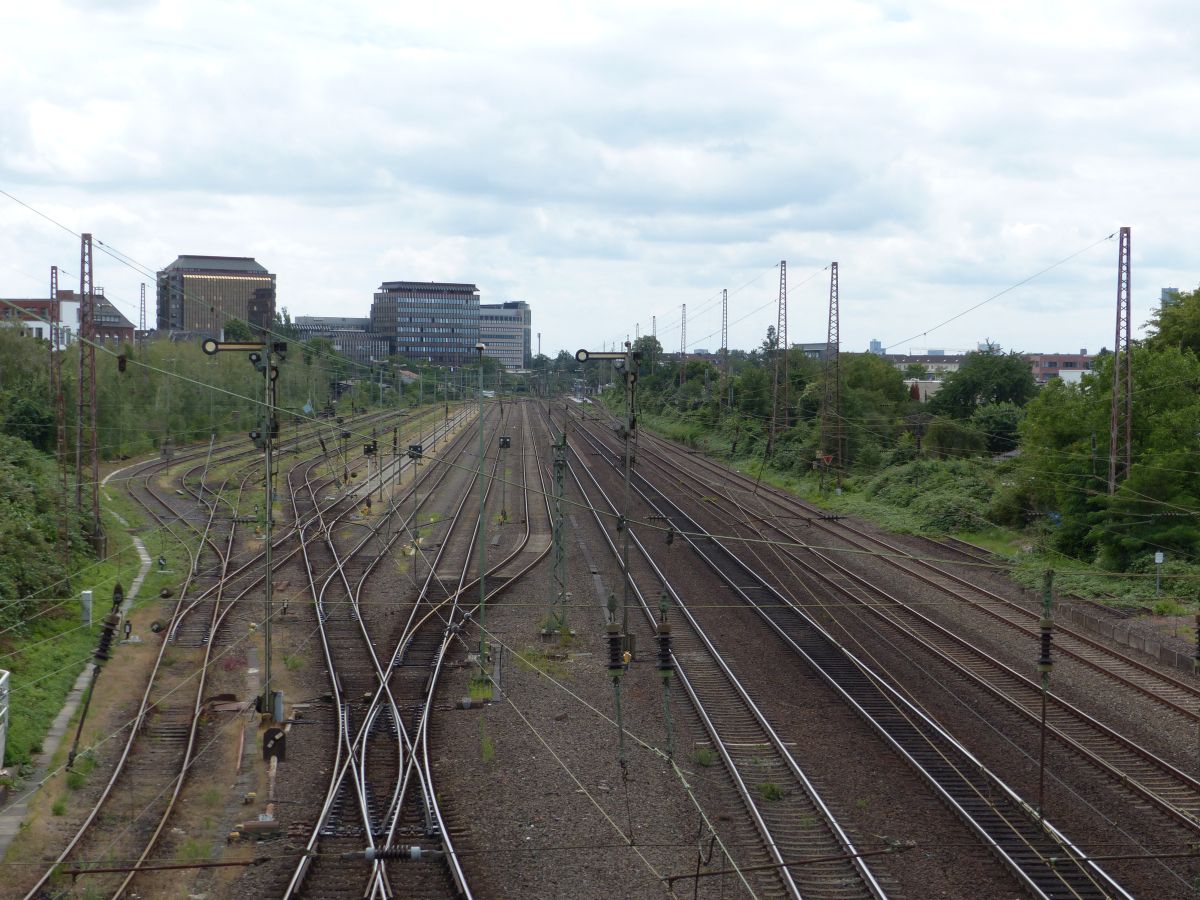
(610, 162)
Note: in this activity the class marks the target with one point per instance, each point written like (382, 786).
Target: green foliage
(704, 756)
(1177, 326)
(30, 491)
(487, 747)
(999, 423)
(1065, 437)
(195, 849)
(988, 376)
(770, 791)
(948, 438)
(941, 496)
(237, 330)
(29, 421)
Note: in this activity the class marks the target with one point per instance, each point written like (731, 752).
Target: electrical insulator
(104, 650)
(665, 664)
(1045, 663)
(616, 664)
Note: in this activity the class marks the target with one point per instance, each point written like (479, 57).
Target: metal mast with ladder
(1120, 444)
(779, 399)
(832, 451)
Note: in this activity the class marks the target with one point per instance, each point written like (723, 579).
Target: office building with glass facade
(505, 328)
(428, 321)
(199, 294)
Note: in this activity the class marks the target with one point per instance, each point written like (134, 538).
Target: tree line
(991, 447)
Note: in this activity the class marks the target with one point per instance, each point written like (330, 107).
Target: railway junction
(501, 651)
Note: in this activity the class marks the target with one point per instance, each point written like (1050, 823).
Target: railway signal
(557, 620)
(1045, 664)
(102, 655)
(260, 355)
(625, 362)
(505, 443)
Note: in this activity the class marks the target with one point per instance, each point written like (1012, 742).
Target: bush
(1014, 504)
(943, 495)
(948, 438)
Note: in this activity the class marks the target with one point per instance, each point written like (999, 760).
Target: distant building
(433, 322)
(1068, 366)
(33, 318)
(923, 389)
(1168, 296)
(199, 294)
(506, 329)
(321, 324)
(813, 350)
(875, 347)
(935, 364)
(350, 336)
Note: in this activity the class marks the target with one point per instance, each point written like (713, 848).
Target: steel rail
(841, 841)
(1035, 850)
(181, 609)
(1070, 642)
(1175, 793)
(454, 860)
(339, 770)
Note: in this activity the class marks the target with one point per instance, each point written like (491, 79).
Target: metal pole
(269, 505)
(1044, 665)
(482, 540)
(630, 381)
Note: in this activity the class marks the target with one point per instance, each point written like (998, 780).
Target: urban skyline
(611, 198)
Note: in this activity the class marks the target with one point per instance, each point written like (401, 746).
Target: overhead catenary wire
(1001, 293)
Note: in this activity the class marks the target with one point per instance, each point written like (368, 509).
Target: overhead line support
(1120, 444)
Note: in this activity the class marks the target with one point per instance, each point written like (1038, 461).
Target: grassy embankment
(940, 498)
(46, 657)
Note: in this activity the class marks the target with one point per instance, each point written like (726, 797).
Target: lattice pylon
(779, 399)
(58, 398)
(831, 404)
(85, 424)
(724, 342)
(683, 346)
(1120, 444)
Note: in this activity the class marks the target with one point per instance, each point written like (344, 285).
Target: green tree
(987, 376)
(31, 421)
(651, 351)
(917, 371)
(999, 424)
(1065, 456)
(1177, 324)
(237, 330)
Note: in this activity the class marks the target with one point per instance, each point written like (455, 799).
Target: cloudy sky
(608, 162)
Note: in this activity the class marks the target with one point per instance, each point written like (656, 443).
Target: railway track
(1040, 856)
(1143, 774)
(1176, 695)
(401, 703)
(794, 824)
(165, 728)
